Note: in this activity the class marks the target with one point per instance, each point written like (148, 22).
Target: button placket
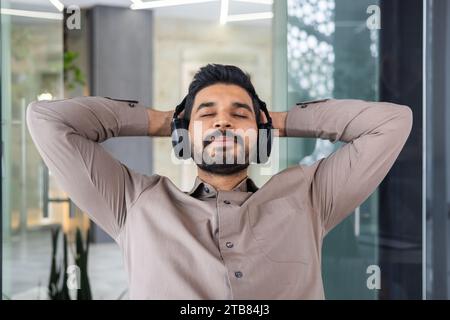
(229, 207)
(226, 209)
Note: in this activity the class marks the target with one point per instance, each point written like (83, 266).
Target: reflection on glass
(310, 51)
(31, 68)
(332, 54)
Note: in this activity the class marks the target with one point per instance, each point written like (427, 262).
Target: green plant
(73, 75)
(57, 287)
(81, 259)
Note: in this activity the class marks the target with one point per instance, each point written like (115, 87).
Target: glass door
(348, 49)
(331, 52)
(32, 69)
(369, 50)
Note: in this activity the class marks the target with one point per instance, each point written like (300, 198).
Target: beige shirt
(247, 243)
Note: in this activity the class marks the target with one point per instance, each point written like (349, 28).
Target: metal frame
(438, 66)
(424, 149)
(1, 168)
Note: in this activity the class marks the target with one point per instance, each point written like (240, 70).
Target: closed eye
(206, 115)
(240, 116)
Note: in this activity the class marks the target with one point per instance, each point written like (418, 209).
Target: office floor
(27, 260)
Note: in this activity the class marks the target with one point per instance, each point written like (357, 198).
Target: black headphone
(180, 138)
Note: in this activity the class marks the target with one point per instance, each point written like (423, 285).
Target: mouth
(222, 141)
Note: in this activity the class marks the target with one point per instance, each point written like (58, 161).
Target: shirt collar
(203, 189)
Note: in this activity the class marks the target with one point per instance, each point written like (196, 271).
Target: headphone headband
(179, 108)
(262, 105)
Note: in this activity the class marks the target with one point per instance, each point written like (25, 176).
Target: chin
(223, 169)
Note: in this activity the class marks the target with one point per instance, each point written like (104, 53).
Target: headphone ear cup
(180, 138)
(266, 130)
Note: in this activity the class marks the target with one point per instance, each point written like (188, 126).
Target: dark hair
(218, 73)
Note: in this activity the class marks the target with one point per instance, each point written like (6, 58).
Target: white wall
(181, 47)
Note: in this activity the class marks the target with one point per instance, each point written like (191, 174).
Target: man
(225, 239)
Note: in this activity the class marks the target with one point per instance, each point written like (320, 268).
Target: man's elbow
(36, 117)
(400, 126)
(32, 114)
(405, 119)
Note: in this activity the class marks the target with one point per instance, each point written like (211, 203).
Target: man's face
(223, 129)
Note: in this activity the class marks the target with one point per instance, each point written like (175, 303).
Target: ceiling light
(250, 16)
(268, 2)
(164, 3)
(224, 11)
(32, 14)
(57, 4)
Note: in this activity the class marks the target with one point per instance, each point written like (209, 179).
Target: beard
(224, 168)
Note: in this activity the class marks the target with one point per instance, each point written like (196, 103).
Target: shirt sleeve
(374, 134)
(67, 134)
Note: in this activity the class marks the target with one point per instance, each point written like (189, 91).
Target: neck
(222, 182)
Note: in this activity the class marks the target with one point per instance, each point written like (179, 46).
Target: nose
(222, 124)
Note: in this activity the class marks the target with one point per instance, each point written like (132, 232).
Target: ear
(262, 117)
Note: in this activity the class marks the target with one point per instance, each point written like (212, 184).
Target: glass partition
(332, 53)
(32, 67)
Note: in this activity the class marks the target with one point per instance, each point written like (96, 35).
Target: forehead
(222, 93)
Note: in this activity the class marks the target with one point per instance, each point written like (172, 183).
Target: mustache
(217, 134)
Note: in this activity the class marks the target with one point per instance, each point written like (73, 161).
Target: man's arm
(160, 124)
(374, 133)
(67, 134)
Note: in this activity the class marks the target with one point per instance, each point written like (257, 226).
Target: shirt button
(238, 274)
(206, 189)
(226, 201)
(229, 244)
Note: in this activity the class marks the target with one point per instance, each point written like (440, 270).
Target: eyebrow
(235, 105)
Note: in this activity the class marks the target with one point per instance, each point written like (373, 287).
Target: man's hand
(159, 123)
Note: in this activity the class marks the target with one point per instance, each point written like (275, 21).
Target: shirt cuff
(133, 120)
(300, 119)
